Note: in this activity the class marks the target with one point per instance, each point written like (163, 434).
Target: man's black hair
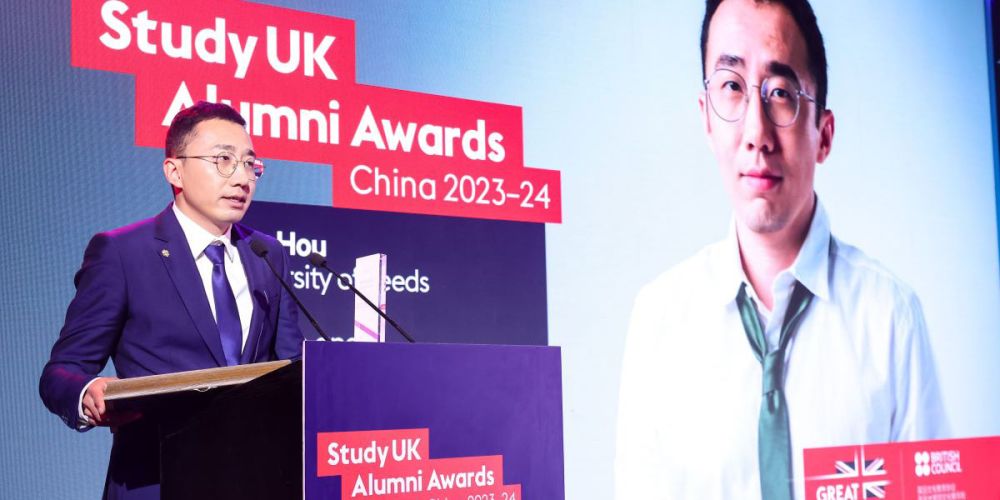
(186, 120)
(804, 17)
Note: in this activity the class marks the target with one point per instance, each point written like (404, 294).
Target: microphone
(261, 250)
(318, 260)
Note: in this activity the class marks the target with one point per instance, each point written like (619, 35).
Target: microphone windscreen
(317, 260)
(258, 248)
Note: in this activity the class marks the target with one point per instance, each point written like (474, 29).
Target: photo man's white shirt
(859, 370)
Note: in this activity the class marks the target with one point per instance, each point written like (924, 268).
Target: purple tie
(226, 314)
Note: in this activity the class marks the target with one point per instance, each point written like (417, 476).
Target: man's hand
(96, 410)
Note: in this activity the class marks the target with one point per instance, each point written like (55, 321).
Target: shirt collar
(198, 238)
(811, 265)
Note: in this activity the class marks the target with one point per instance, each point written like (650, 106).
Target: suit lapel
(253, 266)
(175, 253)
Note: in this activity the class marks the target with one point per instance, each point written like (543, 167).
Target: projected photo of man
(780, 337)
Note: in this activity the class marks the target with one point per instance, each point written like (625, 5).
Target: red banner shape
(343, 453)
(395, 464)
(434, 478)
(938, 469)
(525, 194)
(505, 492)
(181, 37)
(291, 74)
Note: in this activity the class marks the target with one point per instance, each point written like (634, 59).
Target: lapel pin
(165, 252)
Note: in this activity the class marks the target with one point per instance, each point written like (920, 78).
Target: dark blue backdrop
(462, 280)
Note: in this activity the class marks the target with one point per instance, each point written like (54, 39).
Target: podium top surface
(195, 380)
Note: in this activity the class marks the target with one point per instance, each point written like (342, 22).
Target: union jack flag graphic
(871, 473)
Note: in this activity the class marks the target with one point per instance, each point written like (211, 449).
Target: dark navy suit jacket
(140, 302)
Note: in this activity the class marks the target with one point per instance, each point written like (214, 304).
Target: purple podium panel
(432, 421)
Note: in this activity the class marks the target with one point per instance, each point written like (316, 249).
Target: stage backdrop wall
(604, 95)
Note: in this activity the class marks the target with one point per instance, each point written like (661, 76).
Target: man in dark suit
(180, 291)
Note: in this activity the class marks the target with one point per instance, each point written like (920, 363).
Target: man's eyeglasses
(729, 96)
(226, 164)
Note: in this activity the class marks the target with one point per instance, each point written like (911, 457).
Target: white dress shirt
(198, 239)
(858, 370)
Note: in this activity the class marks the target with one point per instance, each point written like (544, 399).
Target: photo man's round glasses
(729, 96)
(226, 164)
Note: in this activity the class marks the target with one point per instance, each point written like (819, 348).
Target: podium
(359, 420)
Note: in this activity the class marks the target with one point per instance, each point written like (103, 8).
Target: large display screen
(526, 166)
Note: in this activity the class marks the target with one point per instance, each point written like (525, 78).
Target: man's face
(214, 202)
(767, 170)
